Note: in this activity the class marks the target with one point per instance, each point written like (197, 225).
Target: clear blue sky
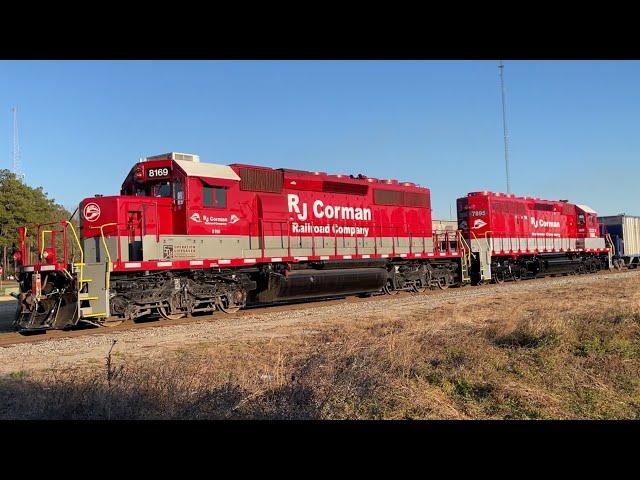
(574, 125)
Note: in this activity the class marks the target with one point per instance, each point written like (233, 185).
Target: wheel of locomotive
(172, 313)
(517, 274)
(389, 288)
(442, 283)
(226, 305)
(499, 276)
(421, 288)
(170, 316)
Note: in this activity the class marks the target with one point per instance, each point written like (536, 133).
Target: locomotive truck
(185, 237)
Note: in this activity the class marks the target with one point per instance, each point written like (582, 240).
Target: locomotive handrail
(106, 249)
(75, 236)
(267, 227)
(104, 242)
(466, 246)
(42, 241)
(486, 239)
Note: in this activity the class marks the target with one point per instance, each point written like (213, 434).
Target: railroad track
(13, 338)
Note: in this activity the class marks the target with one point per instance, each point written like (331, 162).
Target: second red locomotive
(514, 237)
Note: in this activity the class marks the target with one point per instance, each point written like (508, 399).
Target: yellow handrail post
(106, 249)
(75, 236)
(42, 241)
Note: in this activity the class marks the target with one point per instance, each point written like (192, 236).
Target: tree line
(21, 205)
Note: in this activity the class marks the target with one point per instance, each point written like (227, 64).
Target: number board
(160, 172)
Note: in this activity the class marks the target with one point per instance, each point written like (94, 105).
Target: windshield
(158, 189)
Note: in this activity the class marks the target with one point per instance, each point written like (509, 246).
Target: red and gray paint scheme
(185, 236)
(514, 237)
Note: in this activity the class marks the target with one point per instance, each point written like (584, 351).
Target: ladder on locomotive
(465, 261)
(92, 283)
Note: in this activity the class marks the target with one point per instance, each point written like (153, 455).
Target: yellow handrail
(104, 242)
(467, 248)
(485, 238)
(42, 241)
(75, 236)
(106, 249)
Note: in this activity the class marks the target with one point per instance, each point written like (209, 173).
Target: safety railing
(49, 244)
(278, 235)
(511, 244)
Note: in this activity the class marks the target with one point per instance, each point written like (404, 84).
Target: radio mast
(16, 145)
(504, 126)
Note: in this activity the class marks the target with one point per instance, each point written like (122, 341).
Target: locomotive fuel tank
(322, 283)
(561, 264)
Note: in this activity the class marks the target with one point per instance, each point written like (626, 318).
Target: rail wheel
(517, 274)
(173, 313)
(499, 276)
(442, 283)
(225, 304)
(389, 289)
(419, 288)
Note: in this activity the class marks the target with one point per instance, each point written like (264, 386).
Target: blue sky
(574, 125)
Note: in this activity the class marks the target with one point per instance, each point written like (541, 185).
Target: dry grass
(554, 354)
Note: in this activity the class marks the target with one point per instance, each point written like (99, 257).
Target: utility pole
(504, 126)
(16, 145)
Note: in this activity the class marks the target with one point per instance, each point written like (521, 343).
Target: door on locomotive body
(142, 216)
(178, 207)
(134, 234)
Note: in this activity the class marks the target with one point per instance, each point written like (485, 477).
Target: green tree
(21, 205)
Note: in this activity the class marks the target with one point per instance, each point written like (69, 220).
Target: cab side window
(581, 219)
(215, 197)
(178, 193)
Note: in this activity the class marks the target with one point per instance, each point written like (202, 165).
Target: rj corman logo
(91, 212)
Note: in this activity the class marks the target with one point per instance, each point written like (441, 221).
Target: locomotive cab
(587, 229)
(165, 203)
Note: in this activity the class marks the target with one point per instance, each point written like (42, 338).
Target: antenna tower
(15, 154)
(504, 126)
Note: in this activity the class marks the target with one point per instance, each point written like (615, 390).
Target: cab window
(581, 219)
(215, 197)
(178, 193)
(162, 189)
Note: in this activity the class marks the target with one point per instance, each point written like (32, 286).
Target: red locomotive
(185, 237)
(515, 237)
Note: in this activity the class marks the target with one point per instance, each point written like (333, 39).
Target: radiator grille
(398, 197)
(348, 188)
(257, 180)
